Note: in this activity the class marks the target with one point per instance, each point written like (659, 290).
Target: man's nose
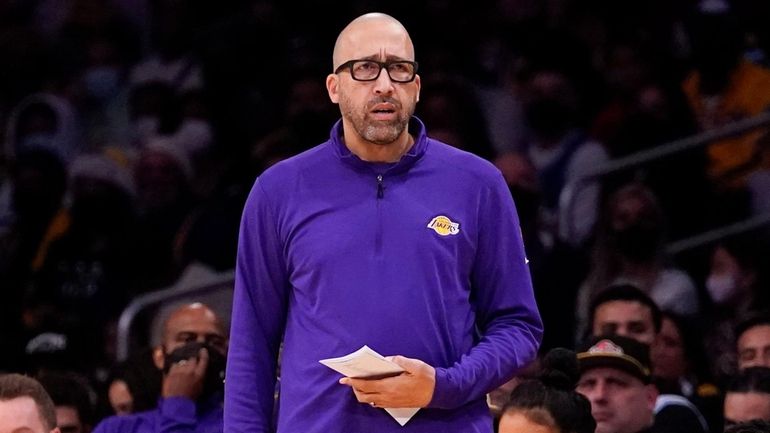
(598, 394)
(383, 83)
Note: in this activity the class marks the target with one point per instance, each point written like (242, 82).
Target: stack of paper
(365, 363)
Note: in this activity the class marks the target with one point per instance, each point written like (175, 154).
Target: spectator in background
(753, 341)
(88, 271)
(549, 403)
(721, 89)
(39, 179)
(25, 406)
(562, 153)
(192, 358)
(747, 396)
(680, 367)
(756, 426)
(736, 287)
(72, 399)
(629, 249)
(615, 378)
(453, 112)
(163, 174)
(627, 312)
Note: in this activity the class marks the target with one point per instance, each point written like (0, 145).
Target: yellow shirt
(747, 95)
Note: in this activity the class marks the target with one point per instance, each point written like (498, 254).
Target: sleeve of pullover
(507, 317)
(258, 319)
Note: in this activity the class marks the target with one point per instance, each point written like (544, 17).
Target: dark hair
(70, 389)
(14, 386)
(753, 426)
(553, 392)
(755, 319)
(692, 343)
(752, 379)
(624, 292)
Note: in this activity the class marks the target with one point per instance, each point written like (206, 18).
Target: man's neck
(373, 152)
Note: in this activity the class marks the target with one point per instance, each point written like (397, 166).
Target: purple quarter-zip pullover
(421, 258)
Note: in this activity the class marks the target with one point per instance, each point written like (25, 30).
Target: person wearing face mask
(561, 153)
(734, 286)
(192, 356)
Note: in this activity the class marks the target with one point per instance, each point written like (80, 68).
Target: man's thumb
(407, 364)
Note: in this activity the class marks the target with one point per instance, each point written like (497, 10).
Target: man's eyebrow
(392, 58)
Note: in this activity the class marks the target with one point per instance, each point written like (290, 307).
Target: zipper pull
(380, 187)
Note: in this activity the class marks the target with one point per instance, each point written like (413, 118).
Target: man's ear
(332, 83)
(419, 85)
(158, 357)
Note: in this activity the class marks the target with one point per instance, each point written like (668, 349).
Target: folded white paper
(365, 363)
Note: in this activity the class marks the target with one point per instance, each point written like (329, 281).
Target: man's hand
(412, 388)
(185, 378)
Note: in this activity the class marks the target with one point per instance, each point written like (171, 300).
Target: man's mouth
(383, 111)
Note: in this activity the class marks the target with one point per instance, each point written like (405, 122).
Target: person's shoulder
(676, 279)
(461, 161)
(141, 422)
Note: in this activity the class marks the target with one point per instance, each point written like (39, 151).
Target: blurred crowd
(132, 131)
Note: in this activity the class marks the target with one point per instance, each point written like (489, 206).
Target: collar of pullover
(416, 128)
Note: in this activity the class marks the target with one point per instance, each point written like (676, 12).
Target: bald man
(192, 357)
(383, 237)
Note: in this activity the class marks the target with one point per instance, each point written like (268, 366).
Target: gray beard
(381, 134)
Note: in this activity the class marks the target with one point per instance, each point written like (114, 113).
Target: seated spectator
(25, 406)
(549, 403)
(72, 399)
(748, 396)
(756, 426)
(192, 358)
(671, 413)
(736, 285)
(629, 250)
(562, 153)
(627, 312)
(615, 378)
(753, 342)
(680, 367)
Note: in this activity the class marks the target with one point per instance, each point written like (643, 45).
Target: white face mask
(721, 288)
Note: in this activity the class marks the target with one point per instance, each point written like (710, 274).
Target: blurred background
(132, 131)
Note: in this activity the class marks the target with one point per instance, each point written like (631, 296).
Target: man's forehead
(377, 38)
(192, 320)
(608, 373)
(627, 310)
(756, 335)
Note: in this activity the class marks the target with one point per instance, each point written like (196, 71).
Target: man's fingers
(203, 362)
(408, 364)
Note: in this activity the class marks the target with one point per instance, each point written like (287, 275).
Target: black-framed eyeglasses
(399, 71)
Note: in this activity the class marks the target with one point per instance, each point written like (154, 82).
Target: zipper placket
(380, 187)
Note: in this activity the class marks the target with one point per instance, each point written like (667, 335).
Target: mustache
(383, 100)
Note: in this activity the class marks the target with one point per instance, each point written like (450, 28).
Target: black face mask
(638, 242)
(548, 117)
(214, 380)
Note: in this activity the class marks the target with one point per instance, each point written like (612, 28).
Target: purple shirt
(332, 256)
(173, 415)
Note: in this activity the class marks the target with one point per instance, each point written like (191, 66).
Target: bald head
(191, 323)
(367, 25)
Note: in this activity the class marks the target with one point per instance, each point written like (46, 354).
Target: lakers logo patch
(444, 226)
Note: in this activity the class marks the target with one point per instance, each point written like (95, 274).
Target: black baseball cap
(614, 351)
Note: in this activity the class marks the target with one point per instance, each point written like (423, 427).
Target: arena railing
(666, 150)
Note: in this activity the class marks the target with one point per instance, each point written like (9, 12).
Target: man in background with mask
(192, 358)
